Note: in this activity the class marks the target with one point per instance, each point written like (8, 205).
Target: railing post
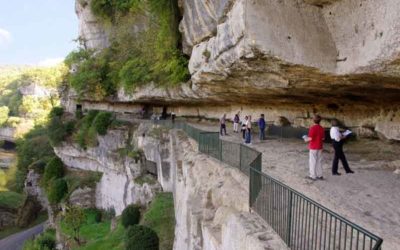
(289, 222)
(240, 158)
(250, 190)
(220, 149)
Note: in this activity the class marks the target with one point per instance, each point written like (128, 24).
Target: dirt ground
(369, 198)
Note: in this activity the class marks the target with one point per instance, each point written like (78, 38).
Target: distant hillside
(27, 93)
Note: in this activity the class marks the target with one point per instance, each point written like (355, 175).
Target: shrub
(139, 237)
(90, 116)
(56, 112)
(69, 127)
(107, 9)
(93, 215)
(91, 77)
(101, 122)
(78, 114)
(130, 216)
(57, 131)
(46, 242)
(81, 137)
(53, 170)
(57, 190)
(134, 73)
(77, 56)
(39, 166)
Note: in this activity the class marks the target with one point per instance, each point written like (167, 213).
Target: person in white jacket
(337, 142)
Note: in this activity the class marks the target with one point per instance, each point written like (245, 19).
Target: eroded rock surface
(211, 204)
(93, 33)
(116, 188)
(307, 56)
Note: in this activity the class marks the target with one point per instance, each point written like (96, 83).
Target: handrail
(286, 210)
(341, 218)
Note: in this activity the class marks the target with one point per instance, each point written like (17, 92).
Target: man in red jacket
(316, 136)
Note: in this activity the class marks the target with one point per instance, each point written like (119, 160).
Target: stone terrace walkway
(370, 197)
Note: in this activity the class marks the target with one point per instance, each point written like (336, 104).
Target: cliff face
(117, 187)
(339, 58)
(210, 199)
(92, 32)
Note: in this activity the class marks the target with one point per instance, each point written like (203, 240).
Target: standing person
(316, 136)
(248, 131)
(261, 126)
(173, 117)
(244, 126)
(236, 121)
(222, 122)
(337, 142)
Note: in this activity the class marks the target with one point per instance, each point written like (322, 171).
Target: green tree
(4, 111)
(74, 219)
(56, 131)
(53, 170)
(33, 147)
(57, 190)
(101, 122)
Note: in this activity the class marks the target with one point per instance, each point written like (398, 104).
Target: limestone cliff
(210, 199)
(339, 58)
(117, 187)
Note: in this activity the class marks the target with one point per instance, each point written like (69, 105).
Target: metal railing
(301, 222)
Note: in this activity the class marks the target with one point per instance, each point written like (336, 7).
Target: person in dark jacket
(337, 142)
(261, 126)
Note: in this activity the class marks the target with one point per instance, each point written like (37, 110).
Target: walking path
(369, 198)
(16, 241)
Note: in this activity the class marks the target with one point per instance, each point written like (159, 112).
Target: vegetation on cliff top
(137, 56)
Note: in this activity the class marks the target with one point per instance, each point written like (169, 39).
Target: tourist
(222, 122)
(337, 142)
(261, 126)
(236, 121)
(173, 117)
(248, 131)
(244, 126)
(316, 136)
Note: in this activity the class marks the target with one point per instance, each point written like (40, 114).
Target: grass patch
(9, 199)
(113, 240)
(97, 235)
(42, 217)
(161, 218)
